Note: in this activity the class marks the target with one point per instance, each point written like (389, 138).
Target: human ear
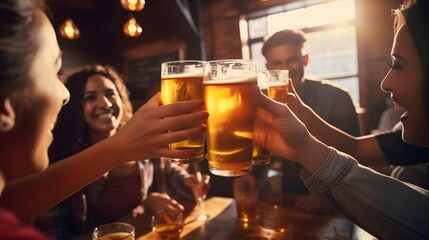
(306, 59)
(7, 116)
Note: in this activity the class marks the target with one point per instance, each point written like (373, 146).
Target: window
(331, 37)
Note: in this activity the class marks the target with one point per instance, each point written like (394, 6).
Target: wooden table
(306, 226)
(224, 226)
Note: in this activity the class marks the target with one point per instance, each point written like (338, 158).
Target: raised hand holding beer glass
(229, 98)
(180, 81)
(278, 84)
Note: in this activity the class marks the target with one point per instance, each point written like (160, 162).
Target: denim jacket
(382, 205)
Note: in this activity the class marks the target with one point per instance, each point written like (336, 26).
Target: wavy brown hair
(71, 133)
(17, 45)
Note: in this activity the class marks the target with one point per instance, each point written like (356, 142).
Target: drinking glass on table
(229, 97)
(260, 155)
(200, 192)
(273, 226)
(167, 225)
(246, 197)
(181, 81)
(278, 84)
(113, 231)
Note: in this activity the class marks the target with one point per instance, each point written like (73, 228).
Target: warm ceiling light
(132, 28)
(69, 30)
(133, 5)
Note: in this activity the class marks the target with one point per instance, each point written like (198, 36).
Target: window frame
(247, 42)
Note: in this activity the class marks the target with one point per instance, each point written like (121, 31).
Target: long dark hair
(71, 133)
(17, 44)
(415, 14)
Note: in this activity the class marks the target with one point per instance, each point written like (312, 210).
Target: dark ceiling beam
(185, 10)
(186, 19)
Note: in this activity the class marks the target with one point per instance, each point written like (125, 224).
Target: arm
(365, 148)
(385, 209)
(31, 195)
(380, 204)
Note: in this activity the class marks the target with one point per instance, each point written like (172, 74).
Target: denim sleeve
(383, 206)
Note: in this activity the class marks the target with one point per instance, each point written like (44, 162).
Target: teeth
(105, 116)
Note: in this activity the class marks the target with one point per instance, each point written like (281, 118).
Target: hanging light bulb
(69, 30)
(133, 5)
(132, 28)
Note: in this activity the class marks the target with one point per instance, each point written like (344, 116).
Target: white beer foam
(227, 81)
(182, 75)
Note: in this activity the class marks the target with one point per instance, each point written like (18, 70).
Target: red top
(11, 228)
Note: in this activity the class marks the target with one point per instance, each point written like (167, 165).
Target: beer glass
(246, 195)
(180, 81)
(115, 230)
(261, 156)
(200, 192)
(274, 226)
(229, 97)
(168, 225)
(278, 84)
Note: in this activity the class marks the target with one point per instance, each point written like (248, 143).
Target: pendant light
(69, 30)
(132, 28)
(133, 5)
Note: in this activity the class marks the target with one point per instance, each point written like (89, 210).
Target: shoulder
(326, 90)
(325, 85)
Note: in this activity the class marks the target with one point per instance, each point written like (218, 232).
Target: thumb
(278, 110)
(154, 101)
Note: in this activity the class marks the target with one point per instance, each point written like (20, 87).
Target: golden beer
(247, 209)
(230, 127)
(168, 231)
(277, 91)
(181, 81)
(274, 226)
(261, 156)
(114, 231)
(116, 236)
(278, 84)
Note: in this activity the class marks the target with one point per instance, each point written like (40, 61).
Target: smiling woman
(99, 107)
(31, 96)
(383, 206)
(95, 90)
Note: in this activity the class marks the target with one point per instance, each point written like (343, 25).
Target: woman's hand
(278, 129)
(283, 134)
(154, 126)
(159, 203)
